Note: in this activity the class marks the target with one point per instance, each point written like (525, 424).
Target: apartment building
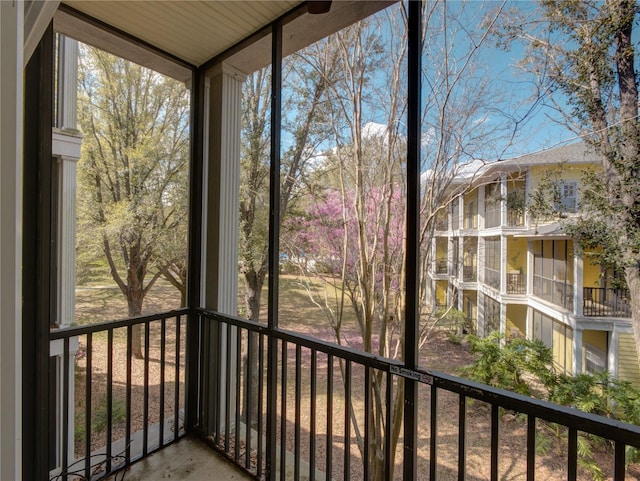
(510, 271)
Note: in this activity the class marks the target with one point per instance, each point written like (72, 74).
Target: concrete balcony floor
(189, 459)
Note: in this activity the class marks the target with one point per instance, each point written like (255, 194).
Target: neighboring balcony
(606, 302)
(469, 273)
(470, 220)
(515, 217)
(442, 266)
(516, 283)
(559, 293)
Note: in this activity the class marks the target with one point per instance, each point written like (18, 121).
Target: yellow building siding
(628, 369)
(516, 321)
(441, 292)
(597, 339)
(517, 254)
(590, 273)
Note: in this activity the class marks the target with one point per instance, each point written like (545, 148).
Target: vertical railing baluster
(312, 416)
(217, 379)
(238, 371)
(129, 375)
(260, 430)
(247, 398)
(329, 416)
(88, 406)
(619, 461)
(283, 414)
(163, 342)
(65, 406)
(296, 432)
(531, 447)
(433, 444)
(145, 412)
(387, 439)
(494, 441)
(109, 396)
(347, 421)
(572, 455)
(462, 420)
(176, 392)
(227, 391)
(367, 420)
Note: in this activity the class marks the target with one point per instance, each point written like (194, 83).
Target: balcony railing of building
(281, 405)
(106, 419)
(492, 277)
(515, 217)
(606, 302)
(516, 283)
(442, 266)
(556, 292)
(469, 273)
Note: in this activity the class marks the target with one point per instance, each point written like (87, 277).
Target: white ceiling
(195, 31)
(192, 30)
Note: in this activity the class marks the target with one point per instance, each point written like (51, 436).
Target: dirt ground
(438, 353)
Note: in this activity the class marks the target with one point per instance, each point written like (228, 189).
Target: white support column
(576, 366)
(578, 281)
(66, 239)
(530, 263)
(221, 270)
(66, 148)
(503, 200)
(612, 355)
(481, 207)
(503, 320)
(67, 102)
(11, 123)
(503, 264)
(223, 93)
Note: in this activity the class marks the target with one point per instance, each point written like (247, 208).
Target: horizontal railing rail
(116, 407)
(323, 402)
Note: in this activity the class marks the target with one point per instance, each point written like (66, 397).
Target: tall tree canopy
(132, 171)
(583, 55)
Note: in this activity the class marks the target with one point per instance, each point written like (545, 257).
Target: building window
(492, 262)
(491, 315)
(568, 196)
(595, 360)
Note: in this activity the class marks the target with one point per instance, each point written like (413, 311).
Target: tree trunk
(253, 283)
(632, 276)
(135, 298)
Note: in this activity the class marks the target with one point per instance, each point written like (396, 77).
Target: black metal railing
(442, 266)
(606, 302)
(515, 217)
(124, 406)
(314, 412)
(280, 405)
(556, 292)
(516, 283)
